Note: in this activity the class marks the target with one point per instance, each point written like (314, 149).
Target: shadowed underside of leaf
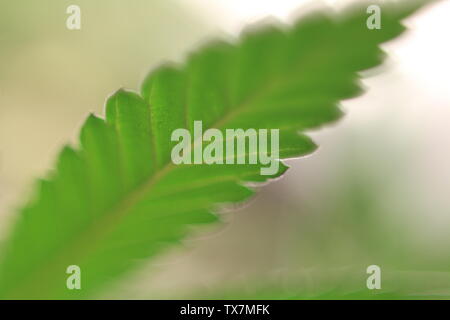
(118, 199)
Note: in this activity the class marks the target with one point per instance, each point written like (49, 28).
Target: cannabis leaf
(118, 198)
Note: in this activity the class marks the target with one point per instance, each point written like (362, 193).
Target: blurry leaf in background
(297, 291)
(118, 198)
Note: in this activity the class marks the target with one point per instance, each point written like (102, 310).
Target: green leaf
(274, 292)
(341, 283)
(118, 199)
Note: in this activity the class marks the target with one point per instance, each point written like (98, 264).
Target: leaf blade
(118, 198)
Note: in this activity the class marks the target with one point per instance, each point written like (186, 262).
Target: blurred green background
(376, 191)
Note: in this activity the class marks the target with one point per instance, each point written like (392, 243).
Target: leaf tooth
(130, 117)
